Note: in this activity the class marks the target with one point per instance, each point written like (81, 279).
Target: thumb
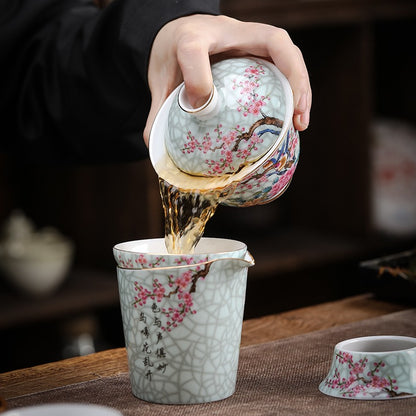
(196, 71)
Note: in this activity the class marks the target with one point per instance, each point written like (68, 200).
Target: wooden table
(255, 331)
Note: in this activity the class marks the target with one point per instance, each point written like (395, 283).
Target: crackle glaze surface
(182, 328)
(369, 376)
(248, 120)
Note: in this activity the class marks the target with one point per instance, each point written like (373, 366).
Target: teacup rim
(248, 260)
(243, 246)
(342, 346)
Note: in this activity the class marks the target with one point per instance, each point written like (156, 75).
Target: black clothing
(73, 78)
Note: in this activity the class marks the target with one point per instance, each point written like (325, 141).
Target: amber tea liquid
(186, 215)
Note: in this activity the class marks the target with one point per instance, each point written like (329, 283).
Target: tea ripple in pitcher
(239, 123)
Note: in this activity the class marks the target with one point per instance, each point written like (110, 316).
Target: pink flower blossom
(159, 292)
(253, 109)
(243, 153)
(229, 139)
(251, 70)
(183, 281)
(216, 167)
(141, 260)
(228, 156)
(187, 297)
(359, 385)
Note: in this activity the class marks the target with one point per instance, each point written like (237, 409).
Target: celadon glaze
(248, 120)
(373, 374)
(182, 328)
(248, 147)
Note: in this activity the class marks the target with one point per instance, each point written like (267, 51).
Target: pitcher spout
(247, 261)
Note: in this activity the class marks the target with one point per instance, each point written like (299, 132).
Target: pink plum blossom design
(141, 262)
(282, 182)
(127, 264)
(363, 379)
(269, 181)
(179, 288)
(228, 142)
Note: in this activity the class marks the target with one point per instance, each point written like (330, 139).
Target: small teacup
(372, 368)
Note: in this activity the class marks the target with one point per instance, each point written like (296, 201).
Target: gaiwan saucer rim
(369, 398)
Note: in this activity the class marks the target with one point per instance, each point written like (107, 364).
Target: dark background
(307, 245)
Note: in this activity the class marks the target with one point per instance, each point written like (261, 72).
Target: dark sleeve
(73, 78)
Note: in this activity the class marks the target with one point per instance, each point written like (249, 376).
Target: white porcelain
(152, 253)
(63, 409)
(182, 325)
(249, 146)
(205, 112)
(37, 276)
(34, 261)
(372, 368)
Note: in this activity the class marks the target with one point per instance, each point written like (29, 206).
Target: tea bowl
(249, 154)
(372, 368)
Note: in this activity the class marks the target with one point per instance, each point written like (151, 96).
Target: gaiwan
(239, 123)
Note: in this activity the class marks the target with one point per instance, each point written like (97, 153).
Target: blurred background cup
(35, 262)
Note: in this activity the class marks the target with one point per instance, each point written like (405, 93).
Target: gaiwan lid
(240, 122)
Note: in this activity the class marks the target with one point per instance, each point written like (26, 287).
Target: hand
(184, 49)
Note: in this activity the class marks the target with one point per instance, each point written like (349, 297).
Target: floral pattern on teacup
(138, 261)
(272, 178)
(179, 291)
(365, 379)
(250, 124)
(141, 262)
(180, 288)
(182, 328)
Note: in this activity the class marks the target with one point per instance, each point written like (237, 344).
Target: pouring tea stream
(240, 149)
(182, 298)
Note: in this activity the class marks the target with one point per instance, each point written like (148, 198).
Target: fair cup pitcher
(182, 318)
